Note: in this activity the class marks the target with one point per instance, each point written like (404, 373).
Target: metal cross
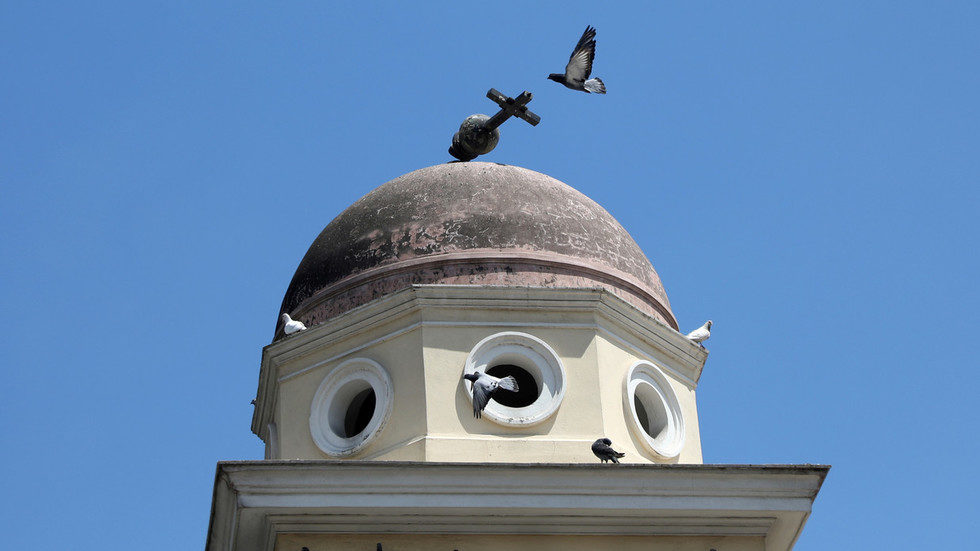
(511, 107)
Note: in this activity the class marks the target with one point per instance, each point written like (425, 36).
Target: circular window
(656, 415)
(350, 407)
(536, 367)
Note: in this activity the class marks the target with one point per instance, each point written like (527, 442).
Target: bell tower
(460, 268)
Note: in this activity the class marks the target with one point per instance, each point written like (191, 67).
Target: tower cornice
(257, 501)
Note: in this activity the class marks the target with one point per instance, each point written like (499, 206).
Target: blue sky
(806, 176)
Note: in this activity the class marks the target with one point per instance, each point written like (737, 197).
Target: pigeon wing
(699, 334)
(580, 63)
(481, 395)
(601, 449)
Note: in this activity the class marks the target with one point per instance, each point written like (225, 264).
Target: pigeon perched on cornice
(601, 448)
(579, 67)
(701, 333)
(484, 387)
(292, 326)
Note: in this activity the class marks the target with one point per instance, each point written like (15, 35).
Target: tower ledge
(339, 505)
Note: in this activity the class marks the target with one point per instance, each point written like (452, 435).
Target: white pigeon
(484, 387)
(701, 333)
(292, 326)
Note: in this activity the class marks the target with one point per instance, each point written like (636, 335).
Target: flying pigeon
(601, 448)
(484, 387)
(701, 333)
(292, 326)
(579, 67)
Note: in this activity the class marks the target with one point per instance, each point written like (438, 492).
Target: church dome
(470, 223)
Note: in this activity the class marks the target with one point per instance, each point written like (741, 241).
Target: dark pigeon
(484, 387)
(579, 67)
(602, 450)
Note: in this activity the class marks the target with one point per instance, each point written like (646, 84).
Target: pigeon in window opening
(602, 449)
(485, 386)
(291, 326)
(701, 333)
(579, 67)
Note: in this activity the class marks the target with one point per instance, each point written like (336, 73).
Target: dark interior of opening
(359, 413)
(641, 413)
(527, 387)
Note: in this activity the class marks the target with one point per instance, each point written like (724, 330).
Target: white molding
(532, 324)
(267, 498)
(456, 297)
(534, 356)
(646, 379)
(332, 398)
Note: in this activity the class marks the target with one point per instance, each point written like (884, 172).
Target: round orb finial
(474, 138)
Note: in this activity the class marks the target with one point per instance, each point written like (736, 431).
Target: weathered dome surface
(470, 223)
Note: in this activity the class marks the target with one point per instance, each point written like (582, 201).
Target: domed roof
(470, 223)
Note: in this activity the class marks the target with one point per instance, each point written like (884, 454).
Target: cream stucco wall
(614, 360)
(518, 542)
(398, 439)
(422, 338)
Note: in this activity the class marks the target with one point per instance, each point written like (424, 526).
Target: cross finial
(512, 107)
(478, 134)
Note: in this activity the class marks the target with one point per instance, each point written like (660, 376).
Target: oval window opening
(527, 386)
(359, 413)
(650, 413)
(653, 425)
(641, 414)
